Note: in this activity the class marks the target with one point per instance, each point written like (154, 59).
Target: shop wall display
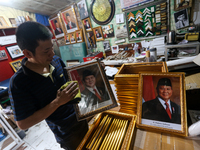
(82, 8)
(16, 65)
(87, 24)
(108, 31)
(14, 51)
(98, 33)
(181, 19)
(69, 19)
(166, 113)
(127, 4)
(56, 26)
(147, 20)
(79, 36)
(3, 55)
(98, 100)
(182, 4)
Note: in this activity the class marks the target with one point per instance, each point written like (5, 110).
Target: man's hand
(67, 94)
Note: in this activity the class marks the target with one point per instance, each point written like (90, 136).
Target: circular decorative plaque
(102, 11)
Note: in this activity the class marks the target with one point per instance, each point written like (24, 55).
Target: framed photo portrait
(115, 49)
(13, 22)
(56, 26)
(90, 40)
(181, 19)
(16, 65)
(3, 55)
(98, 33)
(108, 31)
(87, 24)
(106, 45)
(82, 8)
(3, 23)
(69, 19)
(96, 93)
(182, 4)
(79, 36)
(14, 51)
(72, 37)
(67, 39)
(120, 18)
(162, 103)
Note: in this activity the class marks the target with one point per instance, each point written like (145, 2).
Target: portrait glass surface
(181, 19)
(56, 27)
(82, 8)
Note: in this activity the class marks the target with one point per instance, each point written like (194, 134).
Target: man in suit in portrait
(72, 38)
(79, 37)
(67, 39)
(162, 108)
(58, 30)
(98, 35)
(70, 24)
(87, 25)
(94, 94)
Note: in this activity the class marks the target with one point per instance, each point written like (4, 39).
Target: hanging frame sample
(148, 21)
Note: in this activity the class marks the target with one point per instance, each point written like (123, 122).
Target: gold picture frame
(156, 92)
(178, 5)
(79, 36)
(96, 95)
(67, 39)
(87, 24)
(16, 65)
(3, 23)
(72, 37)
(98, 33)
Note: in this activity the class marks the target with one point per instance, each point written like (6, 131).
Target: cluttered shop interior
(99, 75)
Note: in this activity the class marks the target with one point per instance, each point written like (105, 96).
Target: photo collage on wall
(149, 21)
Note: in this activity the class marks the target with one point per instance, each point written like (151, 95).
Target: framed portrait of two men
(96, 93)
(162, 103)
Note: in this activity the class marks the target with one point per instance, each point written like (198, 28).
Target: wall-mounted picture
(121, 32)
(106, 45)
(67, 39)
(182, 4)
(120, 18)
(79, 36)
(13, 22)
(181, 19)
(69, 18)
(108, 31)
(3, 55)
(162, 103)
(56, 26)
(98, 33)
(82, 8)
(115, 49)
(87, 24)
(96, 93)
(14, 51)
(90, 40)
(72, 37)
(3, 23)
(16, 65)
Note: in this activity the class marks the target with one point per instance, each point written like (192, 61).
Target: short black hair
(55, 21)
(87, 73)
(29, 33)
(67, 14)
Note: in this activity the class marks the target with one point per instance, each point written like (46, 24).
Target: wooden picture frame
(79, 36)
(56, 26)
(155, 89)
(72, 62)
(98, 33)
(3, 23)
(178, 5)
(87, 24)
(16, 65)
(108, 31)
(14, 51)
(3, 55)
(72, 37)
(67, 39)
(13, 22)
(68, 16)
(92, 103)
(82, 8)
(106, 45)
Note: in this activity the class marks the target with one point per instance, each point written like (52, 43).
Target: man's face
(68, 18)
(97, 31)
(90, 81)
(57, 25)
(43, 53)
(165, 92)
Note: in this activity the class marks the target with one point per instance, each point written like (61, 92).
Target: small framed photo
(67, 39)
(178, 5)
(16, 65)
(72, 62)
(181, 19)
(56, 26)
(3, 23)
(69, 19)
(72, 37)
(96, 93)
(98, 33)
(3, 55)
(115, 49)
(120, 18)
(90, 40)
(162, 103)
(106, 45)
(82, 8)
(108, 31)
(87, 24)
(14, 51)
(79, 36)
(13, 22)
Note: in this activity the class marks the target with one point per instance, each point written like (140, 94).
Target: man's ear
(28, 53)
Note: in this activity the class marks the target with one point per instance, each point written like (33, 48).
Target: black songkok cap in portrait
(164, 81)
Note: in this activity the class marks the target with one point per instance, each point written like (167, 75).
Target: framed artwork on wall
(16, 65)
(108, 31)
(3, 23)
(182, 4)
(106, 45)
(3, 55)
(72, 37)
(98, 33)
(14, 51)
(181, 19)
(67, 39)
(120, 18)
(87, 24)
(79, 36)
(69, 19)
(82, 8)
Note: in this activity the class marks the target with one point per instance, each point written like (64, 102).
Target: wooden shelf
(8, 28)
